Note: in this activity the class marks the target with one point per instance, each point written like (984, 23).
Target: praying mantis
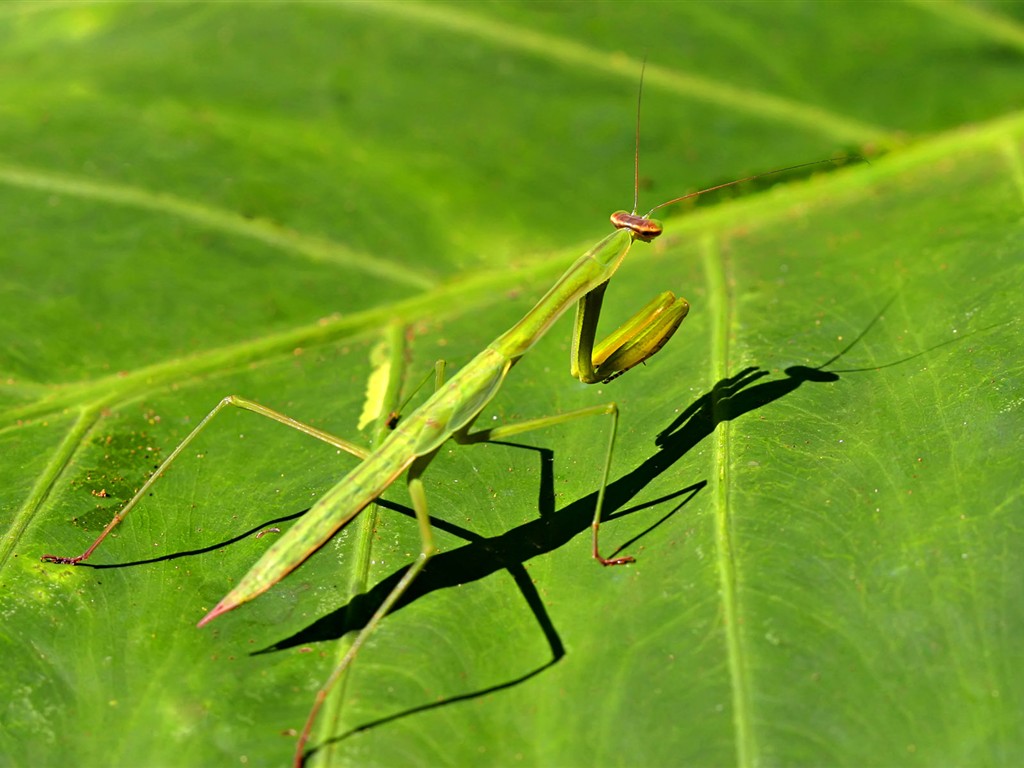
(449, 414)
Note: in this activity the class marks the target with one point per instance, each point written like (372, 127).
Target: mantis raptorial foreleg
(632, 343)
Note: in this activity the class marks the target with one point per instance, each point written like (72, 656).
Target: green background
(205, 199)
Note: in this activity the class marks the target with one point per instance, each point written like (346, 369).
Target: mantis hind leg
(230, 400)
(427, 550)
(508, 430)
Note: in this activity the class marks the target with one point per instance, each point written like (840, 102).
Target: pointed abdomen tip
(222, 607)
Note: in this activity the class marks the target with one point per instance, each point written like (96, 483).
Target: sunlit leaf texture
(820, 476)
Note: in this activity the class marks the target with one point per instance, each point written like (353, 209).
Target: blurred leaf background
(250, 198)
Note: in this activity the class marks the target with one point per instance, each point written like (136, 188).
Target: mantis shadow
(484, 556)
(481, 556)
(730, 398)
(253, 531)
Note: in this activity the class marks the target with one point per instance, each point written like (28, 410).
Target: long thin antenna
(644, 227)
(844, 158)
(636, 145)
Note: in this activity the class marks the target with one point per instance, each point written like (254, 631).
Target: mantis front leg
(632, 343)
(636, 340)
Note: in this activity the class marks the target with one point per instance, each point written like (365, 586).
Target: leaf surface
(819, 476)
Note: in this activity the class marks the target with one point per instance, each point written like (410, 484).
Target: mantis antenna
(644, 227)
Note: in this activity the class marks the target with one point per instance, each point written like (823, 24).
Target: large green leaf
(819, 477)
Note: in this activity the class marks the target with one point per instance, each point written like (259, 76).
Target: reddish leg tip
(616, 560)
(60, 560)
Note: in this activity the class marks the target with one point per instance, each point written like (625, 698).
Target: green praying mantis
(449, 414)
